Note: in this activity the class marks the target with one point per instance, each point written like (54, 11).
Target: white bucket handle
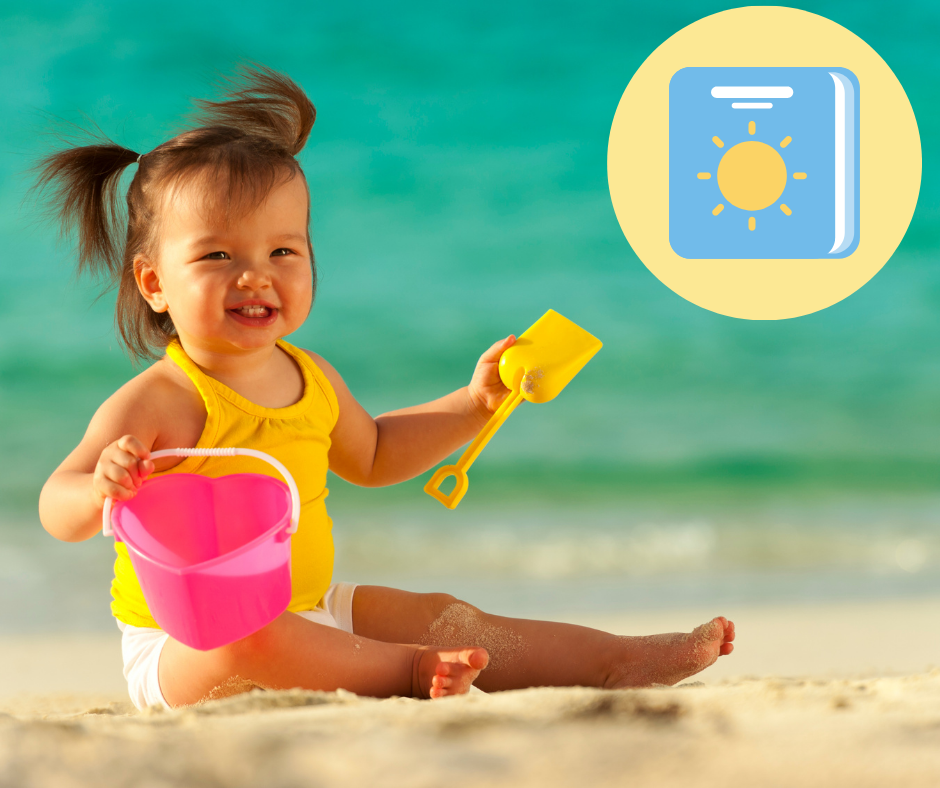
(294, 495)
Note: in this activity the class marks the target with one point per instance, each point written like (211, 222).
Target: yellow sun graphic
(752, 175)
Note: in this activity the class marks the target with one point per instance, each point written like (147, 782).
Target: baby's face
(208, 276)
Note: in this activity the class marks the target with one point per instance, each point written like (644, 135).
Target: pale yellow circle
(752, 175)
(889, 169)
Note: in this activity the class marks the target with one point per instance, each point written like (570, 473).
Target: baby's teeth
(253, 311)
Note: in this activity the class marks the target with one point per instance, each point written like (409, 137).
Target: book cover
(763, 163)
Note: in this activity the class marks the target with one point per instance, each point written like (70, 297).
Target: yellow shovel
(537, 367)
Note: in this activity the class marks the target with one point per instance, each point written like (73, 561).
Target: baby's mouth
(255, 315)
(254, 310)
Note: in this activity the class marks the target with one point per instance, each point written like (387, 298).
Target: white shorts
(141, 646)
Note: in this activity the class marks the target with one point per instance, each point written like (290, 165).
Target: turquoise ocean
(458, 169)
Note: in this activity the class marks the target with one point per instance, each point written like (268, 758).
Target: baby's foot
(440, 672)
(667, 659)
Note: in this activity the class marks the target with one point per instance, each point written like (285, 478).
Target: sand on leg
(530, 653)
(292, 651)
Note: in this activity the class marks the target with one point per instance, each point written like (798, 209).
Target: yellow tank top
(298, 436)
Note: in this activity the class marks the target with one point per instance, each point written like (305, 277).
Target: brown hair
(250, 140)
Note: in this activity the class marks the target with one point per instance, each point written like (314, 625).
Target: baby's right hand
(121, 469)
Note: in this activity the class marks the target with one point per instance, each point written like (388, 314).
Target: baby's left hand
(486, 390)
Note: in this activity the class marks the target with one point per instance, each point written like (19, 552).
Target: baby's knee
(452, 619)
(436, 604)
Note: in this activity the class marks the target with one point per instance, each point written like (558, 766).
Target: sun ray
(751, 127)
(786, 141)
(751, 223)
(800, 176)
(718, 209)
(785, 208)
(718, 142)
(704, 176)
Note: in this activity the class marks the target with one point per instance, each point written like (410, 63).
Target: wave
(555, 543)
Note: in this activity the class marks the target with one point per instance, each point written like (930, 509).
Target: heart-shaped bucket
(212, 555)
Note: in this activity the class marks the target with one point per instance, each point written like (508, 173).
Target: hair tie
(138, 158)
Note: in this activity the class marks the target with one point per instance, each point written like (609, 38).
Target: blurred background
(458, 169)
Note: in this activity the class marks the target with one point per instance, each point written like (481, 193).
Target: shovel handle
(466, 460)
(450, 501)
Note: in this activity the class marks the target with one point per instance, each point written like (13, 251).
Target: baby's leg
(526, 653)
(292, 651)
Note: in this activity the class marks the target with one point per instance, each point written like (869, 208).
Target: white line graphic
(751, 92)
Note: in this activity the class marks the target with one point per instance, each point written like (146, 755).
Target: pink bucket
(212, 555)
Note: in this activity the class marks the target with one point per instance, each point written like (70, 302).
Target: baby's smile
(254, 313)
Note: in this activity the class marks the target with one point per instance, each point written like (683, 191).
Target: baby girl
(216, 268)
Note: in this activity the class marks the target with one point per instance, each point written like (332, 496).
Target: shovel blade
(546, 357)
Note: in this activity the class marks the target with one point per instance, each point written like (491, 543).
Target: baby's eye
(282, 249)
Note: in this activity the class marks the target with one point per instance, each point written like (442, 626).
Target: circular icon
(764, 163)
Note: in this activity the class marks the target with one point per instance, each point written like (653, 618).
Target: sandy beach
(836, 694)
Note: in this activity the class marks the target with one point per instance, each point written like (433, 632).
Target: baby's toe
(713, 630)
(479, 659)
(476, 658)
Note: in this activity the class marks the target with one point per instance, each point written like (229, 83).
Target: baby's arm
(402, 444)
(111, 460)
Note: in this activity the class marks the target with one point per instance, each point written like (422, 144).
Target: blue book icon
(763, 163)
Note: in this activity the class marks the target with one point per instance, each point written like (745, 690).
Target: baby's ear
(148, 282)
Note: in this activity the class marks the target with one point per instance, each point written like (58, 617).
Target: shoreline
(835, 639)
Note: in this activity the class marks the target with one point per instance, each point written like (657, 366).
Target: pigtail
(85, 183)
(269, 105)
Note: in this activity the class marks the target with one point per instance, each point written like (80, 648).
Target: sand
(814, 696)
(460, 624)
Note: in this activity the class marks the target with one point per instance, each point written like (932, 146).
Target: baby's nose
(254, 275)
